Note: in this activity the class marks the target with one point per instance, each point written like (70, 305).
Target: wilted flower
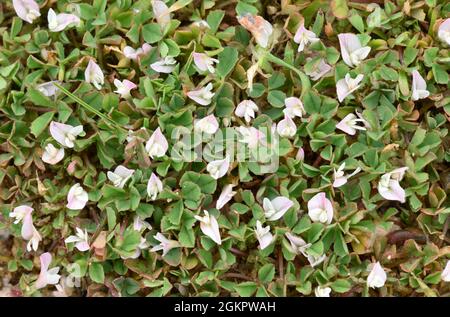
(94, 75)
(314, 261)
(351, 49)
(47, 276)
(276, 208)
(204, 62)
(210, 227)
(445, 275)
(27, 10)
(81, 240)
(59, 22)
(136, 54)
(208, 125)
(246, 109)
(52, 155)
(444, 31)
(377, 276)
(294, 107)
(154, 186)
(77, 197)
(140, 225)
(347, 85)
(298, 245)
(260, 28)
(251, 72)
(48, 89)
(161, 13)
(124, 87)
(286, 128)
(202, 96)
(340, 178)
(265, 238)
(319, 70)
(164, 65)
(251, 136)
(120, 176)
(218, 168)
(321, 291)
(389, 185)
(320, 209)
(225, 196)
(157, 145)
(419, 87)
(350, 124)
(165, 244)
(303, 37)
(65, 134)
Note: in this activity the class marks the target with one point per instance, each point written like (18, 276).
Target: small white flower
(419, 86)
(161, 13)
(218, 168)
(251, 136)
(124, 87)
(321, 291)
(59, 22)
(276, 208)
(320, 209)
(445, 275)
(298, 245)
(157, 145)
(208, 125)
(204, 62)
(347, 85)
(350, 124)
(265, 238)
(165, 244)
(154, 186)
(389, 185)
(340, 178)
(202, 96)
(94, 75)
(444, 31)
(52, 155)
(140, 225)
(353, 53)
(77, 197)
(246, 109)
(294, 107)
(33, 243)
(81, 240)
(225, 196)
(120, 176)
(286, 128)
(303, 37)
(27, 10)
(314, 261)
(319, 70)
(164, 65)
(260, 28)
(47, 276)
(65, 134)
(377, 276)
(210, 227)
(48, 89)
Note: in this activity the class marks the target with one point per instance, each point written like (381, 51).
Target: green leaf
(152, 33)
(96, 272)
(246, 289)
(40, 123)
(227, 60)
(266, 273)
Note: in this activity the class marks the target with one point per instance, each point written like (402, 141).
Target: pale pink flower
(65, 134)
(161, 13)
(444, 31)
(140, 225)
(276, 208)
(347, 85)
(154, 186)
(136, 54)
(33, 243)
(81, 240)
(165, 244)
(419, 86)
(225, 196)
(77, 197)
(157, 145)
(23, 214)
(48, 89)
(264, 236)
(377, 276)
(47, 276)
(286, 128)
(218, 168)
(320, 209)
(208, 125)
(260, 28)
(300, 154)
(204, 62)
(353, 53)
(52, 155)
(246, 109)
(389, 185)
(303, 37)
(120, 176)
(319, 70)
(94, 75)
(210, 227)
(27, 10)
(59, 22)
(251, 136)
(164, 65)
(124, 87)
(340, 178)
(294, 107)
(350, 124)
(202, 96)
